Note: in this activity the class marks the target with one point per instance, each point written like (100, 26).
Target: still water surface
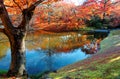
(50, 52)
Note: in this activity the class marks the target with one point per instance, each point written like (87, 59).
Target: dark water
(51, 52)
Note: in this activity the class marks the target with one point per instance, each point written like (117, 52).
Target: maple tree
(102, 9)
(115, 16)
(56, 17)
(65, 17)
(16, 33)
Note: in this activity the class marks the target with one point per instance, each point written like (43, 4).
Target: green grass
(96, 71)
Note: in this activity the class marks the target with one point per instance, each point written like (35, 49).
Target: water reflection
(3, 49)
(91, 47)
(39, 61)
(50, 52)
(5, 61)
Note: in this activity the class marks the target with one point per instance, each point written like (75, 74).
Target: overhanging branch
(33, 6)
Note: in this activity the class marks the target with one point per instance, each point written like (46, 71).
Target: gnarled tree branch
(5, 18)
(17, 5)
(27, 14)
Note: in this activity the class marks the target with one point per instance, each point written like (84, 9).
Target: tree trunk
(18, 59)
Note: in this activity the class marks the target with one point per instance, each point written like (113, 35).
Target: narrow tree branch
(10, 6)
(32, 7)
(17, 5)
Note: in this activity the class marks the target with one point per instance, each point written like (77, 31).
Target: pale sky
(76, 2)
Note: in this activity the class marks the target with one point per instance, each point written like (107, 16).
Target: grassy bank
(103, 65)
(111, 41)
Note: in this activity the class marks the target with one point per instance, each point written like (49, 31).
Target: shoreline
(104, 64)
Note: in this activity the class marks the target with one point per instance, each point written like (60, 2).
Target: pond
(50, 52)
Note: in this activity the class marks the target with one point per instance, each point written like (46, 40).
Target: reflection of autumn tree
(4, 45)
(58, 42)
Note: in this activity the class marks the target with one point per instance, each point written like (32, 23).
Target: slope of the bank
(103, 65)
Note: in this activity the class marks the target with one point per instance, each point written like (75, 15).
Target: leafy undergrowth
(105, 65)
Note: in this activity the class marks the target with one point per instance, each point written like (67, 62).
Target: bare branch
(10, 6)
(17, 5)
(32, 7)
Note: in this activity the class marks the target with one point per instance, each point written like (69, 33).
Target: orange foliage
(16, 6)
(61, 16)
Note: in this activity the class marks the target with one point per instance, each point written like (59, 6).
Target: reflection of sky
(39, 61)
